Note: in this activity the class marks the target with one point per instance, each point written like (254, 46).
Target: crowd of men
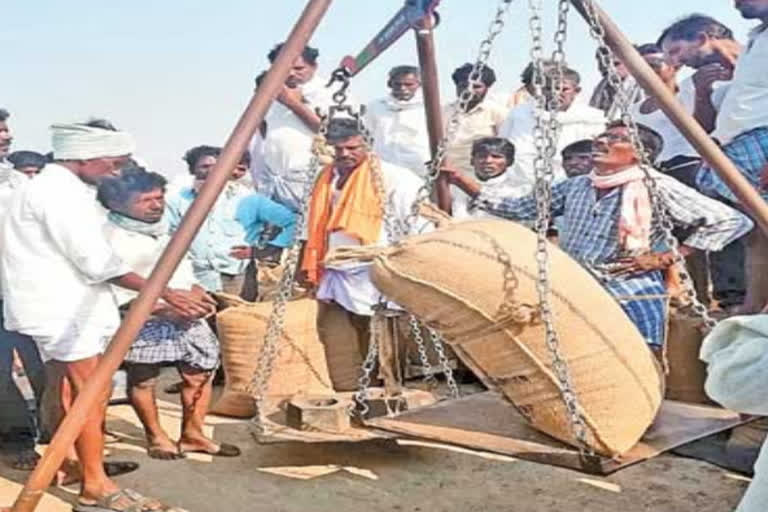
(82, 227)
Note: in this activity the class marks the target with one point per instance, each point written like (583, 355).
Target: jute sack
(475, 282)
(300, 366)
(687, 373)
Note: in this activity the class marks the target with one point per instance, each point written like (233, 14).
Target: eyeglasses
(611, 138)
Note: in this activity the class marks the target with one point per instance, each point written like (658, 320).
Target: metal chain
(257, 388)
(429, 377)
(361, 396)
(658, 204)
(395, 233)
(437, 343)
(548, 86)
(452, 125)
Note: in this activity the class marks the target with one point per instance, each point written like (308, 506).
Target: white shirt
(675, 144)
(745, 106)
(399, 130)
(142, 252)
(55, 261)
(496, 188)
(350, 285)
(579, 122)
(287, 149)
(259, 171)
(737, 375)
(12, 182)
(482, 121)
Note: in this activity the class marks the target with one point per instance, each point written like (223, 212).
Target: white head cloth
(80, 142)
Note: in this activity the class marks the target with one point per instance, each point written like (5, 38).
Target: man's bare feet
(163, 448)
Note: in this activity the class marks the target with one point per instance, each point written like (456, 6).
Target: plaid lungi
(644, 300)
(163, 341)
(748, 152)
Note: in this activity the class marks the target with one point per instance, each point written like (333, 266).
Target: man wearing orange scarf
(612, 227)
(347, 207)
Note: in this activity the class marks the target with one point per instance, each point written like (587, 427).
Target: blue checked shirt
(592, 228)
(237, 218)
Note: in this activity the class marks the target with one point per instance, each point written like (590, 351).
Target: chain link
(658, 204)
(396, 232)
(421, 346)
(257, 388)
(361, 396)
(437, 343)
(548, 83)
(465, 98)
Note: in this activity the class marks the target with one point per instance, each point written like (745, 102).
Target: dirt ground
(391, 476)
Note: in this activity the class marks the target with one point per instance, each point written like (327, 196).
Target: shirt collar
(397, 105)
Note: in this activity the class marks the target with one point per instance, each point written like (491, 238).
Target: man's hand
(641, 263)
(190, 305)
(458, 179)
(290, 96)
(764, 178)
(241, 252)
(450, 172)
(728, 49)
(707, 75)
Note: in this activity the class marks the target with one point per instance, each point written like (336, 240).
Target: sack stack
(300, 367)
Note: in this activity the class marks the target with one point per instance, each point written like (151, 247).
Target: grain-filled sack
(300, 366)
(475, 282)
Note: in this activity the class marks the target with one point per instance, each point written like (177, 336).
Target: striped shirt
(592, 227)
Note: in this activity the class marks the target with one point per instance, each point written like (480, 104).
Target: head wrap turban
(80, 142)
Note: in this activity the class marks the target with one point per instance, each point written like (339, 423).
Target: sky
(178, 73)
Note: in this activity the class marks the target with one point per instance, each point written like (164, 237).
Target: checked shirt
(591, 227)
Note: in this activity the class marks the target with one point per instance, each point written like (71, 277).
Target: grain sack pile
(300, 366)
(475, 283)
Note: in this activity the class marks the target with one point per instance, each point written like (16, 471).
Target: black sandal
(26, 460)
(225, 450)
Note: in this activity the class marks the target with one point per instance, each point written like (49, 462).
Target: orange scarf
(357, 212)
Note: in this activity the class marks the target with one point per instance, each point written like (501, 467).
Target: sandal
(26, 460)
(125, 500)
(225, 450)
(111, 468)
(174, 389)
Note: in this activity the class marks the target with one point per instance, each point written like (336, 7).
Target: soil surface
(390, 476)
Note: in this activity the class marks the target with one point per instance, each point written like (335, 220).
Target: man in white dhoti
(57, 268)
(138, 233)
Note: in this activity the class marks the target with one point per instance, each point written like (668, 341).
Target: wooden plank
(487, 421)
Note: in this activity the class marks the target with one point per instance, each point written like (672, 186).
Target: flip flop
(174, 389)
(119, 467)
(225, 450)
(111, 468)
(26, 460)
(125, 500)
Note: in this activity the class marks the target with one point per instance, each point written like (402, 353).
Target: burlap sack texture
(300, 366)
(475, 283)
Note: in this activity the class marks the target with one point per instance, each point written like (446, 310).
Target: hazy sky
(177, 73)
